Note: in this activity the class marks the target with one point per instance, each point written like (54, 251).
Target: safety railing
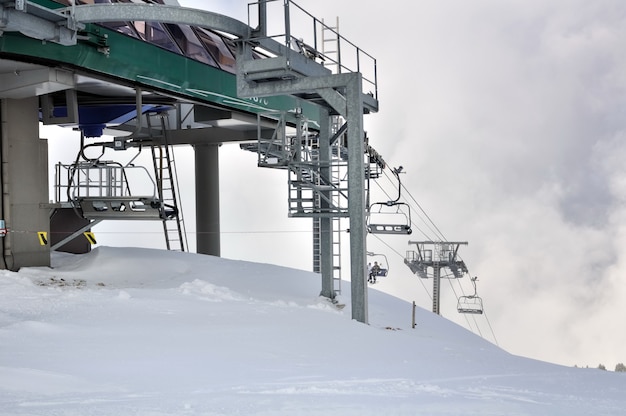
(103, 180)
(302, 33)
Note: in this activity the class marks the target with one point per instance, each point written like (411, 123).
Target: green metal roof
(112, 55)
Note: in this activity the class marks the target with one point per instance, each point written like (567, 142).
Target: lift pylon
(289, 70)
(436, 255)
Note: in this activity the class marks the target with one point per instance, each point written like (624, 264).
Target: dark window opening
(154, 33)
(122, 27)
(189, 43)
(216, 47)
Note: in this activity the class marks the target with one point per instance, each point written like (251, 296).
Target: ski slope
(129, 331)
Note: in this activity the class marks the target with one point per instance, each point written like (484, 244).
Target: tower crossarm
(442, 254)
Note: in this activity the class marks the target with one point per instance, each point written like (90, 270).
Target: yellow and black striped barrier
(43, 238)
(90, 237)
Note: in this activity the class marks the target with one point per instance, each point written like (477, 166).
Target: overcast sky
(507, 117)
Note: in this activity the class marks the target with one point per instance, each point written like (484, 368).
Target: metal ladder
(317, 246)
(167, 185)
(335, 179)
(335, 173)
(331, 46)
(337, 255)
(317, 250)
(336, 244)
(317, 235)
(331, 49)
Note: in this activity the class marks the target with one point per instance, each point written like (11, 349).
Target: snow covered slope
(125, 331)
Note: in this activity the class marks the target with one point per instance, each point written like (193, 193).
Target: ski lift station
(159, 75)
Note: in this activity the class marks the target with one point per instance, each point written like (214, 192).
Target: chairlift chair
(389, 218)
(380, 212)
(472, 304)
(382, 272)
(102, 190)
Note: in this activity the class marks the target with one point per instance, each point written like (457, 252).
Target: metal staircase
(312, 194)
(316, 188)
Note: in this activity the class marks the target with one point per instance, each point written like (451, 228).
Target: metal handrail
(288, 39)
(108, 180)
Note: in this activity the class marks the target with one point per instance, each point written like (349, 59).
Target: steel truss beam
(61, 25)
(37, 22)
(112, 12)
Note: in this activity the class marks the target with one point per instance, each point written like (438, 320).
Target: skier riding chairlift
(375, 271)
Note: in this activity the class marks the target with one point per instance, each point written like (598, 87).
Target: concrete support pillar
(24, 185)
(207, 199)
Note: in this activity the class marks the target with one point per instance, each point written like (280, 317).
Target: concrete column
(24, 185)
(207, 199)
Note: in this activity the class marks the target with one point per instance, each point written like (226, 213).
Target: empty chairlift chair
(390, 217)
(102, 190)
(472, 304)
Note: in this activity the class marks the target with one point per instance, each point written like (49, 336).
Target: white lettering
(259, 100)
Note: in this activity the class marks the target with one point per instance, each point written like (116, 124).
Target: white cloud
(508, 119)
